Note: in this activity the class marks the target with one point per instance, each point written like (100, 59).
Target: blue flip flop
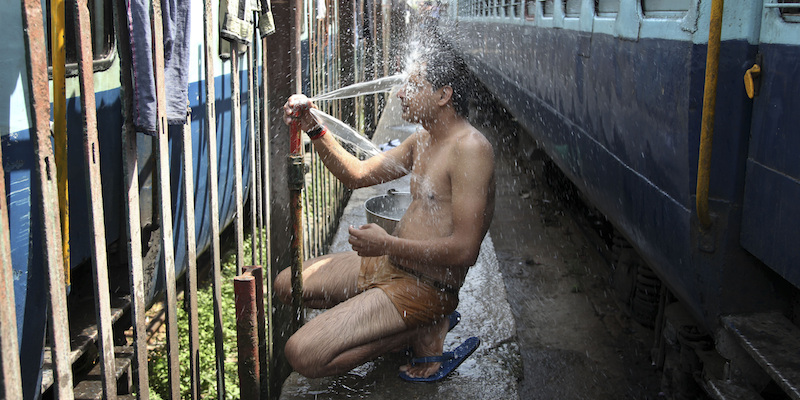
(450, 361)
(454, 318)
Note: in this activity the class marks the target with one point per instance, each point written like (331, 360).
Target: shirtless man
(396, 290)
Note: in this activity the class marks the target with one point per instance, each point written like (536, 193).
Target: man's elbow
(354, 180)
(353, 184)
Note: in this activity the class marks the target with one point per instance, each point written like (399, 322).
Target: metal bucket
(387, 209)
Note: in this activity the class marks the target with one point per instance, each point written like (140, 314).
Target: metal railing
(118, 355)
(324, 199)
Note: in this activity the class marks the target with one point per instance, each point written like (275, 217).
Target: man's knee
(283, 286)
(304, 359)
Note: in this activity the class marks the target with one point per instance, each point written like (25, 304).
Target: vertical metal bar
(165, 202)
(328, 195)
(9, 345)
(709, 107)
(265, 163)
(259, 206)
(130, 170)
(32, 22)
(313, 87)
(131, 176)
(191, 258)
(257, 145)
(296, 206)
(258, 240)
(251, 134)
(314, 193)
(58, 54)
(306, 243)
(91, 148)
(247, 336)
(98, 36)
(319, 212)
(236, 115)
(264, 126)
(213, 192)
(311, 212)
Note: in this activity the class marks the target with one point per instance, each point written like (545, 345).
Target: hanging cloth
(266, 24)
(224, 43)
(237, 25)
(175, 22)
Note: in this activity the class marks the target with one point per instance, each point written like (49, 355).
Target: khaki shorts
(419, 300)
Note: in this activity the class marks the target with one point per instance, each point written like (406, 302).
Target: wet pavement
(576, 339)
(492, 372)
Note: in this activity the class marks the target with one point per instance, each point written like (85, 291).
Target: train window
(548, 7)
(572, 8)
(475, 8)
(500, 8)
(665, 8)
(790, 14)
(513, 8)
(496, 8)
(530, 9)
(101, 17)
(606, 8)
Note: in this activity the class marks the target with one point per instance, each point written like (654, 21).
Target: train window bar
(548, 8)
(790, 10)
(103, 38)
(665, 8)
(530, 9)
(606, 8)
(572, 8)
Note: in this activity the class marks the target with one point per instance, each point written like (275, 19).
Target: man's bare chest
(430, 180)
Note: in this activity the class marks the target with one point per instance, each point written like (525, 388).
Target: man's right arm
(355, 173)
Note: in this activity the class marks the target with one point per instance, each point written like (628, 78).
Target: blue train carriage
(612, 90)
(22, 194)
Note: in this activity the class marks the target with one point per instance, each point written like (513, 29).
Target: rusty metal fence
(333, 32)
(348, 42)
(325, 197)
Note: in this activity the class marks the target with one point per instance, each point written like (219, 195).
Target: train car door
(771, 209)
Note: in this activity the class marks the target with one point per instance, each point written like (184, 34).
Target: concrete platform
(492, 372)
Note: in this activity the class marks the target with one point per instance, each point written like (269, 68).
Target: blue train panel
(617, 100)
(771, 214)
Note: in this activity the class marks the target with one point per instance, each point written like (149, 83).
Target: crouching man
(400, 289)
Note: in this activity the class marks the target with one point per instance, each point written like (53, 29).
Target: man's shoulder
(472, 141)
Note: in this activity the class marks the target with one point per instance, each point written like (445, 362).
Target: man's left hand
(369, 240)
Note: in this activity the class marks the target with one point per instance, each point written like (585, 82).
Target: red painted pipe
(296, 183)
(258, 274)
(294, 138)
(244, 288)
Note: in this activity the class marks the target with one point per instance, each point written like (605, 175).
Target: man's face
(417, 97)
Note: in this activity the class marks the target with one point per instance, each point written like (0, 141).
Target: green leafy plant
(158, 362)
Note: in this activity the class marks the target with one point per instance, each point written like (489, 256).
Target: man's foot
(448, 362)
(452, 320)
(429, 342)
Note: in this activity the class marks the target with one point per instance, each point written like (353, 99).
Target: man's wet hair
(444, 67)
